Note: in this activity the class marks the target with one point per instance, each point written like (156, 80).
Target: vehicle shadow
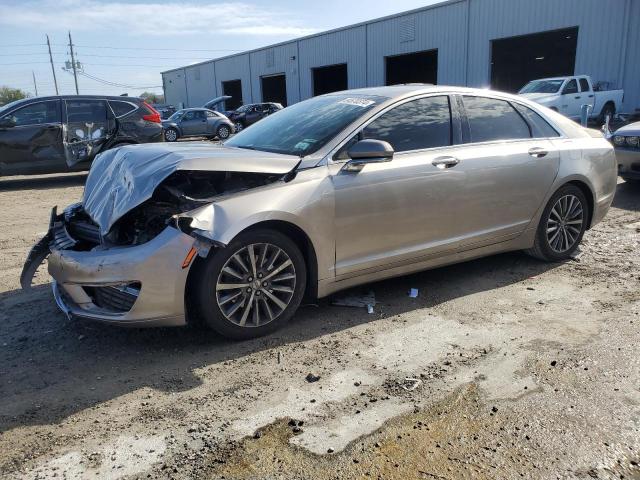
(43, 182)
(52, 368)
(627, 196)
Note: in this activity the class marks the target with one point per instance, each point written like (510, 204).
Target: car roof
(83, 97)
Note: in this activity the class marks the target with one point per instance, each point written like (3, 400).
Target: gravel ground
(501, 368)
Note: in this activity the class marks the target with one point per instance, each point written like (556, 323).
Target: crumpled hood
(122, 178)
(629, 130)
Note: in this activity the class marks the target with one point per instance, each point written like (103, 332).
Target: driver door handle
(538, 152)
(445, 162)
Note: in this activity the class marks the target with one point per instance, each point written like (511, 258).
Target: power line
(114, 84)
(155, 49)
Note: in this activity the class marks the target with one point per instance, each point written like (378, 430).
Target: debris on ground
(349, 299)
(413, 293)
(410, 384)
(312, 377)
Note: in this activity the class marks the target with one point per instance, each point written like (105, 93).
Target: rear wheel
(171, 135)
(253, 286)
(607, 111)
(239, 126)
(223, 132)
(562, 225)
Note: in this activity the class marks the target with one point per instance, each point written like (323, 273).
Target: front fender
(307, 202)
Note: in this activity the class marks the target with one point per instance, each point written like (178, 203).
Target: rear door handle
(538, 152)
(578, 97)
(445, 162)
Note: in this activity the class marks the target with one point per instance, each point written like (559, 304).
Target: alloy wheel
(564, 224)
(223, 132)
(255, 285)
(239, 127)
(170, 135)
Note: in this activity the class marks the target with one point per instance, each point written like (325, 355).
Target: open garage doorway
(518, 60)
(274, 88)
(330, 79)
(418, 67)
(233, 88)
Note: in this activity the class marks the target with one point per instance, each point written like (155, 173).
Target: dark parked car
(64, 133)
(165, 111)
(251, 113)
(197, 122)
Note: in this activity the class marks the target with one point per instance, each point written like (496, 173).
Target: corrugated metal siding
(175, 88)
(461, 31)
(599, 38)
(345, 46)
(441, 28)
(235, 68)
(270, 61)
(201, 86)
(631, 68)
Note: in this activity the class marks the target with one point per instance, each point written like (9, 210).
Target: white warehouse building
(501, 44)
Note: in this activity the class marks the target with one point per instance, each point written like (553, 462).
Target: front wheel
(171, 135)
(562, 225)
(253, 286)
(239, 127)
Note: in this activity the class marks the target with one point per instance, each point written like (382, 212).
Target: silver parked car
(627, 144)
(197, 122)
(332, 192)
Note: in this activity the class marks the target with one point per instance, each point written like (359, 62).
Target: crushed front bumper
(142, 285)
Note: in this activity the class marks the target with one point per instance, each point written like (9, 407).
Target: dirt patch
(503, 367)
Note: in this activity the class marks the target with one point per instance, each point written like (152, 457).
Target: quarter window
(415, 125)
(540, 128)
(491, 120)
(38, 114)
(120, 109)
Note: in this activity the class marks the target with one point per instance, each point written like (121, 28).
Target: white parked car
(567, 95)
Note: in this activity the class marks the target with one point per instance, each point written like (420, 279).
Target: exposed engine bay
(180, 192)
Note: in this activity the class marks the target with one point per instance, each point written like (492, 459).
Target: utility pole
(34, 82)
(53, 70)
(73, 64)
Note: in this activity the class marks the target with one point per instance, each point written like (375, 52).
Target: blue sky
(131, 42)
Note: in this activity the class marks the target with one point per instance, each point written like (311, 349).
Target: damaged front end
(122, 255)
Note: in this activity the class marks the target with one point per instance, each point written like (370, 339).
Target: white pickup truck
(567, 95)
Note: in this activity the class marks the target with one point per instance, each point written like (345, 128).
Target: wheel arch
(294, 232)
(588, 193)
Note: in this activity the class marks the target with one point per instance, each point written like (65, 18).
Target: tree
(8, 95)
(151, 97)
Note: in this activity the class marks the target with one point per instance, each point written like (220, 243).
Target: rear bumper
(155, 266)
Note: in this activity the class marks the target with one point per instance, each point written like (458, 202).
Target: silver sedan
(336, 191)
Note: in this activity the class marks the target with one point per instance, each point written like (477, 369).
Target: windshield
(542, 86)
(305, 127)
(176, 116)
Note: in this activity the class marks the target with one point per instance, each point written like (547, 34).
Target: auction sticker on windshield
(359, 102)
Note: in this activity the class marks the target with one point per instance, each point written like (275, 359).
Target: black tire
(171, 135)
(223, 132)
(543, 248)
(608, 109)
(206, 294)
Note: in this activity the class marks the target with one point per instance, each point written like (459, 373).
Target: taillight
(153, 116)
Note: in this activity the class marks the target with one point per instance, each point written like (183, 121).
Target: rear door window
(38, 113)
(414, 125)
(120, 109)
(540, 128)
(584, 85)
(492, 120)
(86, 120)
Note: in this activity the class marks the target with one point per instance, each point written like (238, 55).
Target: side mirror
(8, 122)
(368, 151)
